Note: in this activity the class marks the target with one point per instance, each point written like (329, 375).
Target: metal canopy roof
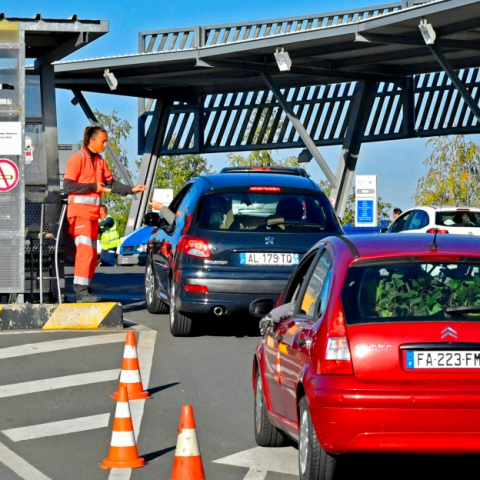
(382, 43)
(52, 39)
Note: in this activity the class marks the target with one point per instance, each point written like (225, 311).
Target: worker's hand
(139, 188)
(156, 205)
(101, 188)
(267, 325)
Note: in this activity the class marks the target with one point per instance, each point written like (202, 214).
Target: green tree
(174, 170)
(454, 173)
(383, 208)
(118, 131)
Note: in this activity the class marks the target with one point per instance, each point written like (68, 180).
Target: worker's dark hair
(90, 133)
(398, 211)
(104, 206)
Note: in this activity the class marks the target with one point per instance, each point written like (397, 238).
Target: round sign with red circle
(9, 175)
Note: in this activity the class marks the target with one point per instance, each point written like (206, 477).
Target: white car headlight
(142, 247)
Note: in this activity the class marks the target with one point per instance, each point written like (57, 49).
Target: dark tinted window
(457, 218)
(401, 223)
(418, 219)
(245, 210)
(318, 287)
(410, 291)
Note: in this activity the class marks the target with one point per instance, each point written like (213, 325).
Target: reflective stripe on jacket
(109, 237)
(82, 169)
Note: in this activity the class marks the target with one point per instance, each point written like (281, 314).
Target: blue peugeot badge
(269, 241)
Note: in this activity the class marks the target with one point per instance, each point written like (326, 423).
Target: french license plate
(127, 260)
(269, 258)
(443, 359)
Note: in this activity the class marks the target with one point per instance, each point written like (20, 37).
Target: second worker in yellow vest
(108, 235)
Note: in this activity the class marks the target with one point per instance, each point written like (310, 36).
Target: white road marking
(63, 344)
(18, 465)
(261, 460)
(58, 428)
(58, 382)
(145, 348)
(255, 475)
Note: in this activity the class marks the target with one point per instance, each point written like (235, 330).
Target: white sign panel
(11, 138)
(366, 201)
(163, 195)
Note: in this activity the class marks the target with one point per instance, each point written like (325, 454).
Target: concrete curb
(67, 316)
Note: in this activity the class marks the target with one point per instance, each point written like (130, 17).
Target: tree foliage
(174, 170)
(118, 131)
(453, 175)
(383, 208)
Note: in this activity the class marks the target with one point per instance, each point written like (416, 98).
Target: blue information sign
(364, 211)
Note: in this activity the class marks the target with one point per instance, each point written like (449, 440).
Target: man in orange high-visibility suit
(86, 177)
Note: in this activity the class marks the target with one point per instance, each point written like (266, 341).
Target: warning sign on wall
(9, 175)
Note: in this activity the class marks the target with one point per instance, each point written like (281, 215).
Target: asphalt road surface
(57, 412)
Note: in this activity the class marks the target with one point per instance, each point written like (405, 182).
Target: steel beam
(297, 124)
(63, 50)
(50, 133)
(148, 166)
(360, 109)
(122, 169)
(462, 89)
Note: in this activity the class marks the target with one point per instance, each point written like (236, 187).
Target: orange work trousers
(85, 234)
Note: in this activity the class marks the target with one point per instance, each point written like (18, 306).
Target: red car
(381, 355)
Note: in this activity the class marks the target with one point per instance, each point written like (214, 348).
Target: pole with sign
(366, 201)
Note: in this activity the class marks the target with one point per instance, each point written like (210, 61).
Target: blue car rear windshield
(279, 212)
(412, 292)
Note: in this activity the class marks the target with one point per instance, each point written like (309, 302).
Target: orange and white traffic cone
(130, 374)
(188, 462)
(123, 449)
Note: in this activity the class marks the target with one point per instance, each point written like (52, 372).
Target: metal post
(307, 140)
(122, 170)
(148, 166)
(360, 109)
(462, 89)
(50, 133)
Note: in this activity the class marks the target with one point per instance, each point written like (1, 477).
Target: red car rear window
(413, 291)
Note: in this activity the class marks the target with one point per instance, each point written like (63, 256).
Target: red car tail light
(196, 288)
(194, 247)
(437, 230)
(337, 360)
(265, 189)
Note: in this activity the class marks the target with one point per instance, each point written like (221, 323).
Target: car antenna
(433, 245)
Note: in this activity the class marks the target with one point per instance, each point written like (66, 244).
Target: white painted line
(262, 459)
(255, 475)
(145, 348)
(63, 344)
(18, 465)
(58, 428)
(58, 382)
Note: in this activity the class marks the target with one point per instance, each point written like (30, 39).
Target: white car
(445, 219)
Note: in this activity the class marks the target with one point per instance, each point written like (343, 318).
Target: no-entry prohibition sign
(9, 175)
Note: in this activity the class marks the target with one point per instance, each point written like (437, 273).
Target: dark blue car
(236, 238)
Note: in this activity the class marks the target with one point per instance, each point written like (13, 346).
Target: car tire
(314, 463)
(154, 303)
(180, 325)
(266, 435)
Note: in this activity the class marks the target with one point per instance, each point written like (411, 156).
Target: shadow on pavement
(151, 456)
(226, 326)
(413, 467)
(154, 390)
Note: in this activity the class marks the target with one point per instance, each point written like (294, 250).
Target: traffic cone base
(130, 375)
(123, 451)
(188, 462)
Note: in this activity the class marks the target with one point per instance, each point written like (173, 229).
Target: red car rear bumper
(397, 421)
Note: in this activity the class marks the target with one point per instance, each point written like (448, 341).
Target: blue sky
(398, 164)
